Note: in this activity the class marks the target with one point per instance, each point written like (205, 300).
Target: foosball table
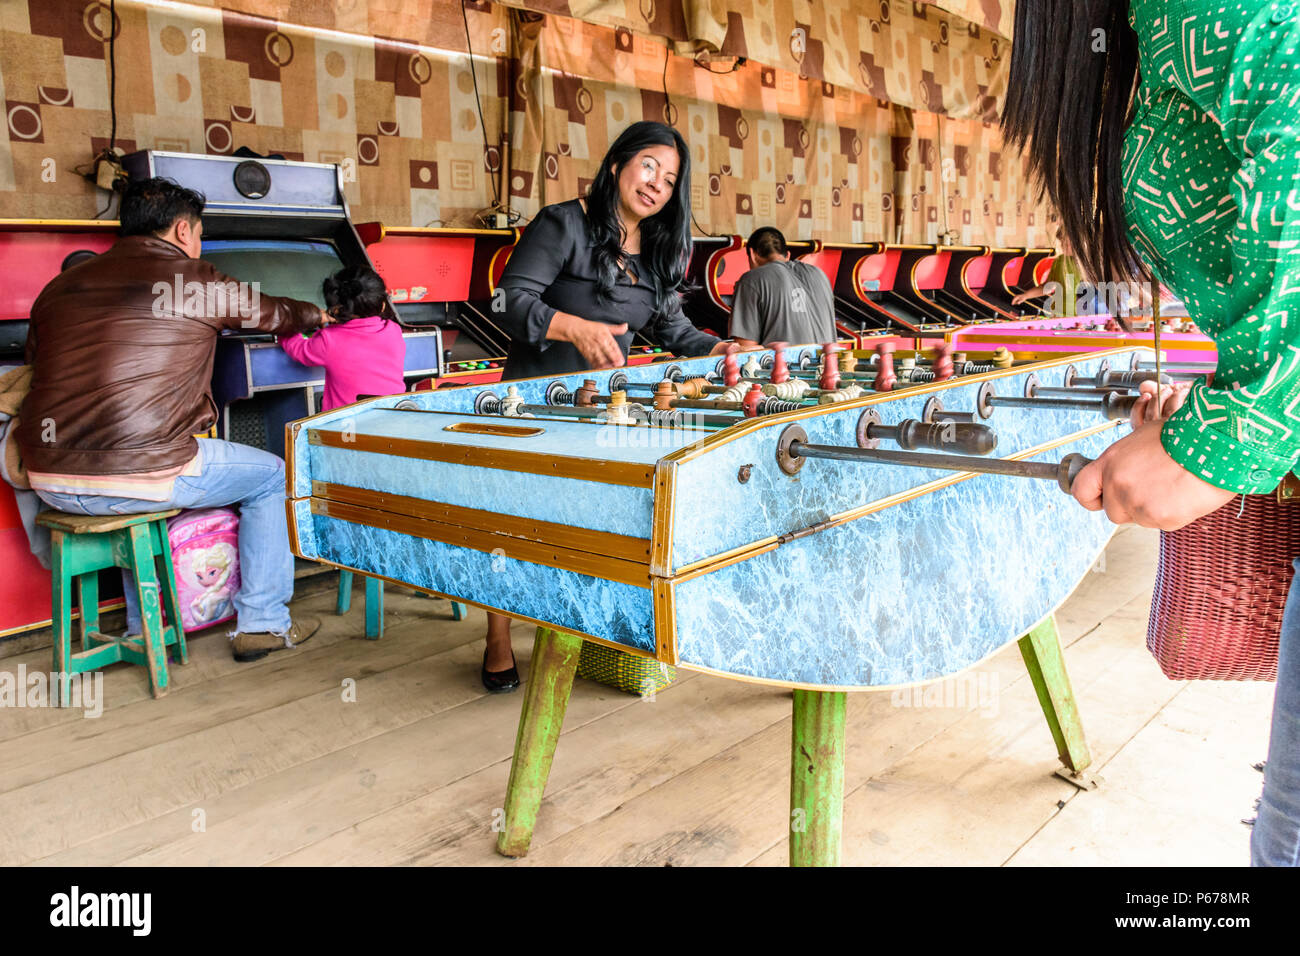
(658, 508)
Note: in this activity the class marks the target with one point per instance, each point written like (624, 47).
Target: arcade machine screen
(294, 269)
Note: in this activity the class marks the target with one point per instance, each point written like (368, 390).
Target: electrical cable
(496, 193)
(112, 73)
(110, 152)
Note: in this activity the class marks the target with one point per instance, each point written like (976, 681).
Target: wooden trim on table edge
(661, 523)
(665, 619)
(603, 543)
(602, 471)
(532, 552)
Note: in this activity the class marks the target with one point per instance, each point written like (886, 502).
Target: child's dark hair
(354, 292)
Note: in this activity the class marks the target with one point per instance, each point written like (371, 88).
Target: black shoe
(500, 682)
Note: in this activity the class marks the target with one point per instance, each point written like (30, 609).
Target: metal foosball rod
(1190, 368)
(1108, 376)
(618, 409)
(1078, 391)
(1114, 405)
(971, 438)
(793, 449)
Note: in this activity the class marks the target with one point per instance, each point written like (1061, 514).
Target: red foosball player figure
(780, 371)
(830, 379)
(886, 378)
(943, 367)
(751, 400)
(730, 369)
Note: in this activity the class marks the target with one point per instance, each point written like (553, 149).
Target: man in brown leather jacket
(121, 349)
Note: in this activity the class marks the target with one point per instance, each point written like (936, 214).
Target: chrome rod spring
(774, 406)
(669, 417)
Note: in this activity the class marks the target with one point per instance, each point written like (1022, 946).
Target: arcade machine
(33, 252)
(955, 276)
(447, 278)
(285, 226)
(281, 224)
(999, 281)
(717, 262)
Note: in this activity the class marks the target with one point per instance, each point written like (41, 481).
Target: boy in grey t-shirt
(780, 299)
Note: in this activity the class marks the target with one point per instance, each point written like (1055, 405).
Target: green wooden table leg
(1041, 649)
(546, 695)
(146, 583)
(374, 608)
(816, 777)
(345, 593)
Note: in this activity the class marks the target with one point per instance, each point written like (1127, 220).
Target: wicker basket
(1221, 589)
(629, 673)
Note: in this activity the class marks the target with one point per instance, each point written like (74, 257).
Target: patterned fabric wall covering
(996, 15)
(944, 56)
(769, 146)
(912, 54)
(401, 118)
(418, 21)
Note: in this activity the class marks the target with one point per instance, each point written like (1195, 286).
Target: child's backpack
(205, 554)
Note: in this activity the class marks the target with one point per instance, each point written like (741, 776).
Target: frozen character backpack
(205, 554)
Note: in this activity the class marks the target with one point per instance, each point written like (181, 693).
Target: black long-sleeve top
(553, 269)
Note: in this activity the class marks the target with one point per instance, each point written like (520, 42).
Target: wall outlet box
(106, 173)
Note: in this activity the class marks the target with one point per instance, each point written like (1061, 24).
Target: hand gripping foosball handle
(1069, 469)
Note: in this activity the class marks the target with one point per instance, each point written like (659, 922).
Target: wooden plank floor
(269, 763)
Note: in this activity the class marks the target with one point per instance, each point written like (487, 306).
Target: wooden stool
(82, 546)
(375, 603)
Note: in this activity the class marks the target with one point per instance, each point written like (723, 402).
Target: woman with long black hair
(1167, 135)
(588, 273)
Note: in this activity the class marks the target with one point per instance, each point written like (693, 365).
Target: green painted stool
(81, 547)
(375, 603)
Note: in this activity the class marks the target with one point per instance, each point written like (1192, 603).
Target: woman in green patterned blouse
(1167, 134)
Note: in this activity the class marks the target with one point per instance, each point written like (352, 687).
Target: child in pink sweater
(362, 352)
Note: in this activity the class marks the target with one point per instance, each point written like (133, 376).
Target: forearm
(305, 350)
(562, 326)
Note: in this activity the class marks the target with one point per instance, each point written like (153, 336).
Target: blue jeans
(230, 474)
(1276, 838)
